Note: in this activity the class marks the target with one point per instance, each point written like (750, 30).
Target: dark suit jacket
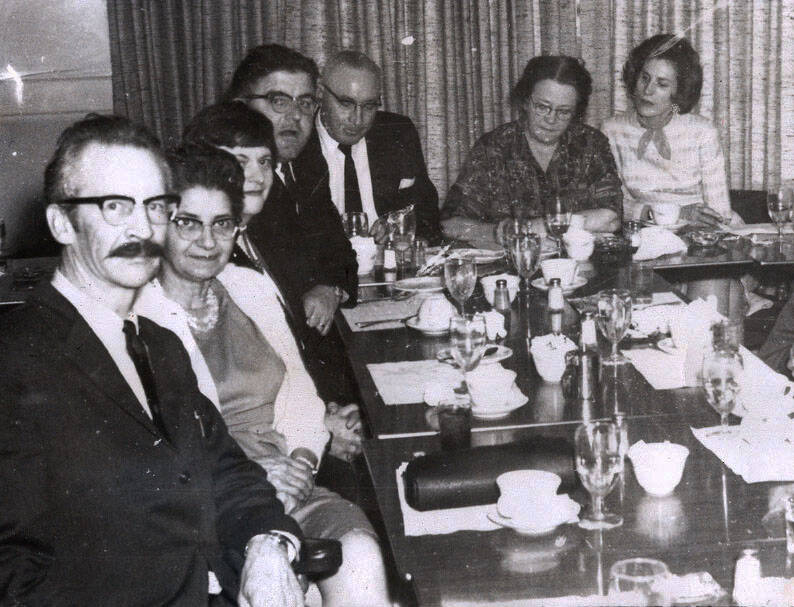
(99, 509)
(394, 154)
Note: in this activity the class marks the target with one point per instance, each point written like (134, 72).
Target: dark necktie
(136, 348)
(352, 193)
(289, 178)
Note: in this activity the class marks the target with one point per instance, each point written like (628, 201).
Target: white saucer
(412, 323)
(502, 352)
(540, 284)
(422, 284)
(528, 529)
(515, 400)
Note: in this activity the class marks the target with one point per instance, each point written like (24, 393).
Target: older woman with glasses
(548, 152)
(232, 323)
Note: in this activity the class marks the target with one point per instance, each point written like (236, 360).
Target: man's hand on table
(344, 424)
(292, 478)
(267, 579)
(319, 304)
(702, 214)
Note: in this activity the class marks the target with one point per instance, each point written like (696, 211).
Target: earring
(675, 108)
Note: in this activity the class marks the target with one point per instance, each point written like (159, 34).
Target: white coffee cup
(564, 269)
(435, 312)
(665, 213)
(579, 244)
(490, 386)
(365, 249)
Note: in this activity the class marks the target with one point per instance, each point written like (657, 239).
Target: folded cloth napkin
(494, 325)
(381, 310)
(758, 451)
(657, 241)
(402, 383)
(468, 477)
(474, 518)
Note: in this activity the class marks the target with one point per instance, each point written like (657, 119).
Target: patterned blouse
(501, 177)
(695, 172)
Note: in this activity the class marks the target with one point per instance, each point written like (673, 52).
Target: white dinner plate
(515, 400)
(421, 284)
(502, 352)
(523, 529)
(480, 256)
(413, 323)
(540, 284)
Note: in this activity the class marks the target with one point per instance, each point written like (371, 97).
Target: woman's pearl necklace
(205, 318)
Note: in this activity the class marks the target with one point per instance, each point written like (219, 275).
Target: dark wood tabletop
(702, 526)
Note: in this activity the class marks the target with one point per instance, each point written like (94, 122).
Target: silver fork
(369, 323)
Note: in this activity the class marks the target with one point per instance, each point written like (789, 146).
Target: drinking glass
(460, 276)
(467, 338)
(722, 369)
(646, 579)
(524, 253)
(614, 318)
(599, 463)
(779, 204)
(558, 218)
(356, 224)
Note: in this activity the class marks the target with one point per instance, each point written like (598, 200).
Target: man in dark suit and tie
(373, 160)
(121, 483)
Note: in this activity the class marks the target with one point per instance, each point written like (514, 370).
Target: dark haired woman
(516, 167)
(665, 153)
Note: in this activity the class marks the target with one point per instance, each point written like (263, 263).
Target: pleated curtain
(450, 64)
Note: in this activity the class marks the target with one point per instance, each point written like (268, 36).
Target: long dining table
(702, 526)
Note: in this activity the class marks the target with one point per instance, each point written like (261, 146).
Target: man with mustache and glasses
(373, 159)
(121, 483)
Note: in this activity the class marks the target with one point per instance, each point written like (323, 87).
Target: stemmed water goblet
(614, 318)
(722, 369)
(524, 253)
(599, 463)
(460, 277)
(558, 218)
(780, 204)
(355, 223)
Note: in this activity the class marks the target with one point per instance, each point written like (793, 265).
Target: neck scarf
(655, 135)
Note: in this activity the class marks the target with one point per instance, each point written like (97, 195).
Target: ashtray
(704, 238)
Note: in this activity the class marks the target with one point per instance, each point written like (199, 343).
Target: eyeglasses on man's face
(545, 111)
(349, 105)
(190, 228)
(281, 103)
(116, 209)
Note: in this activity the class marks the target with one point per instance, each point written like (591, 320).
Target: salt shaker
(746, 577)
(556, 305)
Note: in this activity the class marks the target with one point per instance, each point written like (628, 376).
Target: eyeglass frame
(171, 199)
(545, 111)
(368, 107)
(294, 101)
(235, 231)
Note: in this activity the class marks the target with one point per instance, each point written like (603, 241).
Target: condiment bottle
(501, 301)
(556, 305)
(746, 577)
(420, 253)
(389, 261)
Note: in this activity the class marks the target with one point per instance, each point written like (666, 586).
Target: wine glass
(467, 339)
(460, 276)
(355, 224)
(558, 218)
(614, 318)
(524, 253)
(722, 370)
(779, 204)
(599, 463)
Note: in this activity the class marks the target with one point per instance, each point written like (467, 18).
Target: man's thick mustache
(138, 248)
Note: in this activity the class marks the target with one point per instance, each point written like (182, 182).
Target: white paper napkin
(439, 522)
(656, 242)
(764, 392)
(381, 310)
(494, 325)
(756, 452)
(663, 371)
(403, 383)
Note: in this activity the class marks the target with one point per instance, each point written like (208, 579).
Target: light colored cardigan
(299, 413)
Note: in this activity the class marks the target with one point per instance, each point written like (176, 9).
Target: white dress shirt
(108, 327)
(336, 171)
